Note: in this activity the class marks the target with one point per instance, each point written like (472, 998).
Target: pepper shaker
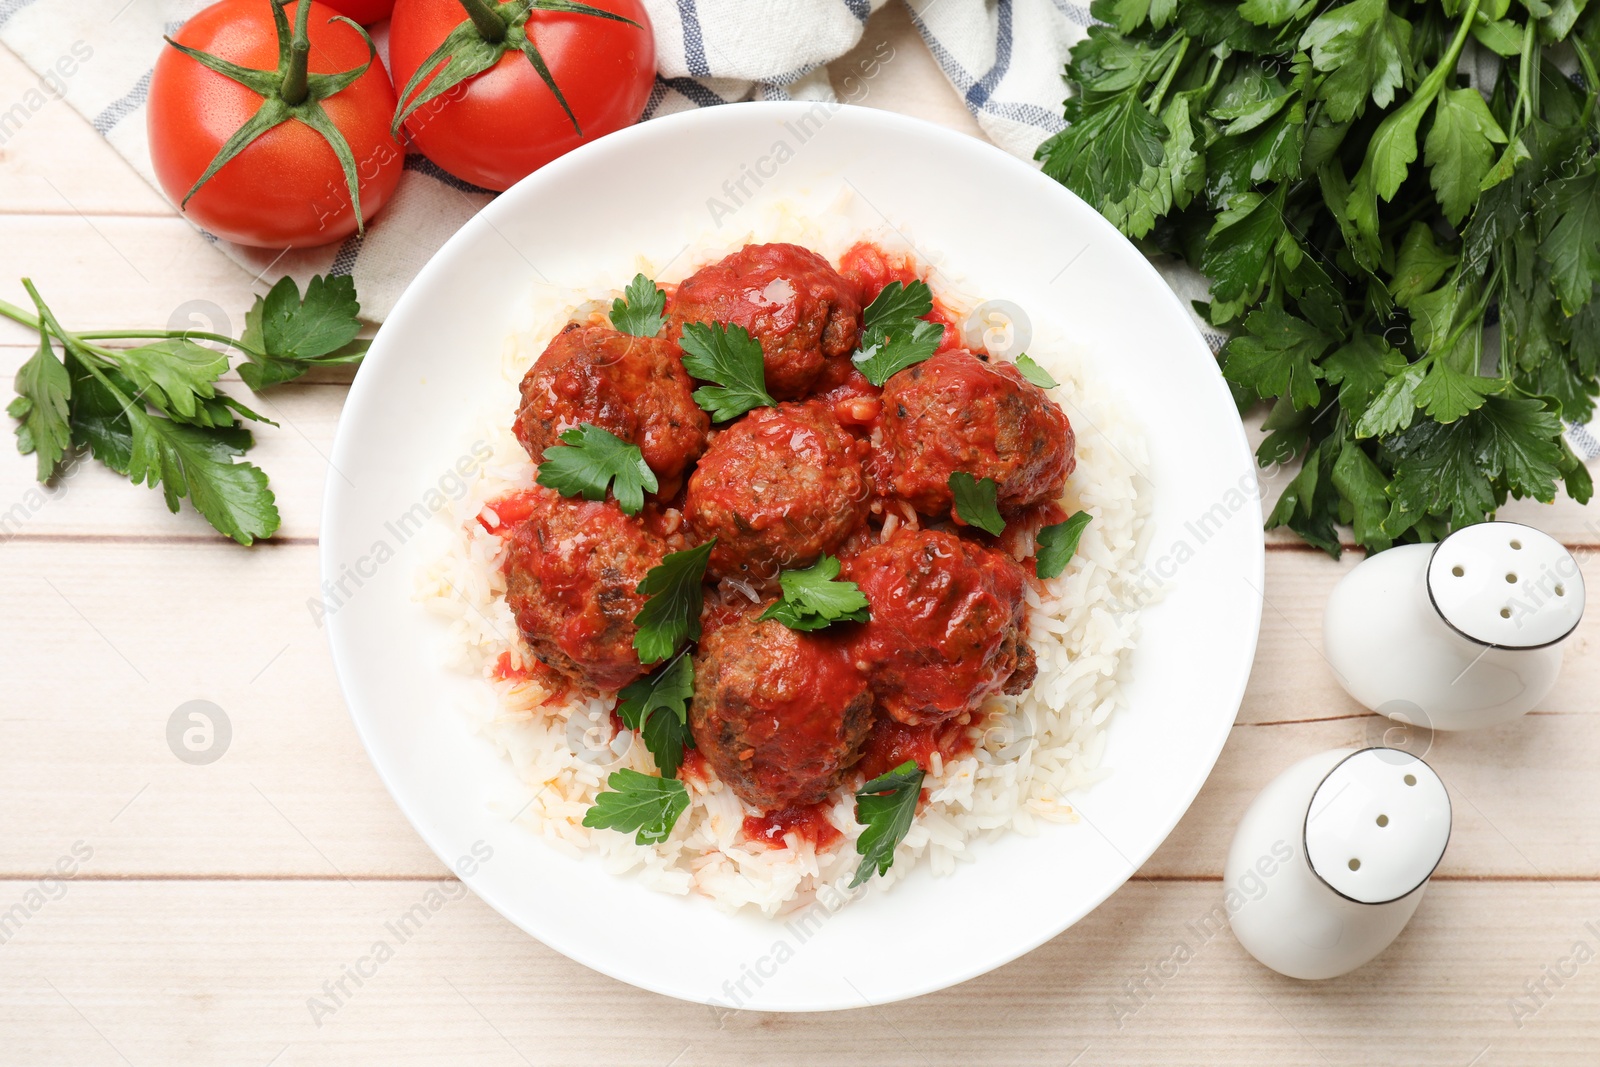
(1331, 860)
(1458, 635)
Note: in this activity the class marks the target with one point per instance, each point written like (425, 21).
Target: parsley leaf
(287, 336)
(813, 599)
(1056, 544)
(658, 707)
(894, 335)
(1569, 236)
(730, 357)
(1459, 149)
(639, 310)
(672, 614)
(1420, 265)
(43, 390)
(592, 459)
(1360, 481)
(975, 502)
(1363, 50)
(1034, 373)
(198, 463)
(1361, 368)
(1446, 394)
(641, 804)
(174, 374)
(886, 806)
(1276, 355)
(1239, 244)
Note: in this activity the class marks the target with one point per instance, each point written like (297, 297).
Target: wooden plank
(102, 272)
(162, 624)
(220, 972)
(52, 162)
(104, 641)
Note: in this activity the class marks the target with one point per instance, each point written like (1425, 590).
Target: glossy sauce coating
(955, 412)
(777, 489)
(947, 628)
(571, 570)
(635, 387)
(779, 715)
(789, 298)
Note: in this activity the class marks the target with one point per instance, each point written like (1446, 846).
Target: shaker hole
(1505, 613)
(1355, 865)
(1383, 820)
(1515, 544)
(1411, 779)
(1458, 571)
(1512, 578)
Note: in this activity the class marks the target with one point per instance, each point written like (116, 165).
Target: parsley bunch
(1407, 264)
(154, 414)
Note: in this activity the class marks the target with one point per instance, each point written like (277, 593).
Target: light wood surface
(217, 900)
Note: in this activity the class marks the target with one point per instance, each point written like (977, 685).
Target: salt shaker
(1331, 860)
(1459, 635)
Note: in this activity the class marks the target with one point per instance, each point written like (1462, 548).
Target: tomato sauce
(506, 668)
(1021, 530)
(509, 510)
(891, 743)
(869, 268)
(694, 766)
(808, 823)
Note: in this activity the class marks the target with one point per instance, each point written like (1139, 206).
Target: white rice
(1033, 752)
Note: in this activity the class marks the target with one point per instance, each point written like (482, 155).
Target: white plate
(1005, 226)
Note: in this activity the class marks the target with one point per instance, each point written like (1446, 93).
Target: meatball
(781, 716)
(635, 387)
(789, 298)
(948, 626)
(777, 489)
(955, 412)
(571, 570)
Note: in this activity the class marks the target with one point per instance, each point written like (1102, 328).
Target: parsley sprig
(658, 707)
(639, 310)
(1034, 373)
(671, 615)
(1365, 216)
(814, 598)
(886, 806)
(640, 804)
(591, 460)
(730, 357)
(975, 502)
(1057, 544)
(154, 414)
(894, 334)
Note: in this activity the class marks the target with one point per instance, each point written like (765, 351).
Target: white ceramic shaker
(1330, 861)
(1458, 635)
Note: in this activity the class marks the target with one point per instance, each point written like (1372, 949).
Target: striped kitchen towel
(1005, 57)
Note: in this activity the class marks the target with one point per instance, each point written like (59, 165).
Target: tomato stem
(294, 78)
(491, 25)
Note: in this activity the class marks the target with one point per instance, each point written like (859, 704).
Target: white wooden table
(211, 903)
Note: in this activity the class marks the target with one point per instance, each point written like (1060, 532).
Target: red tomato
(365, 12)
(503, 124)
(285, 189)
